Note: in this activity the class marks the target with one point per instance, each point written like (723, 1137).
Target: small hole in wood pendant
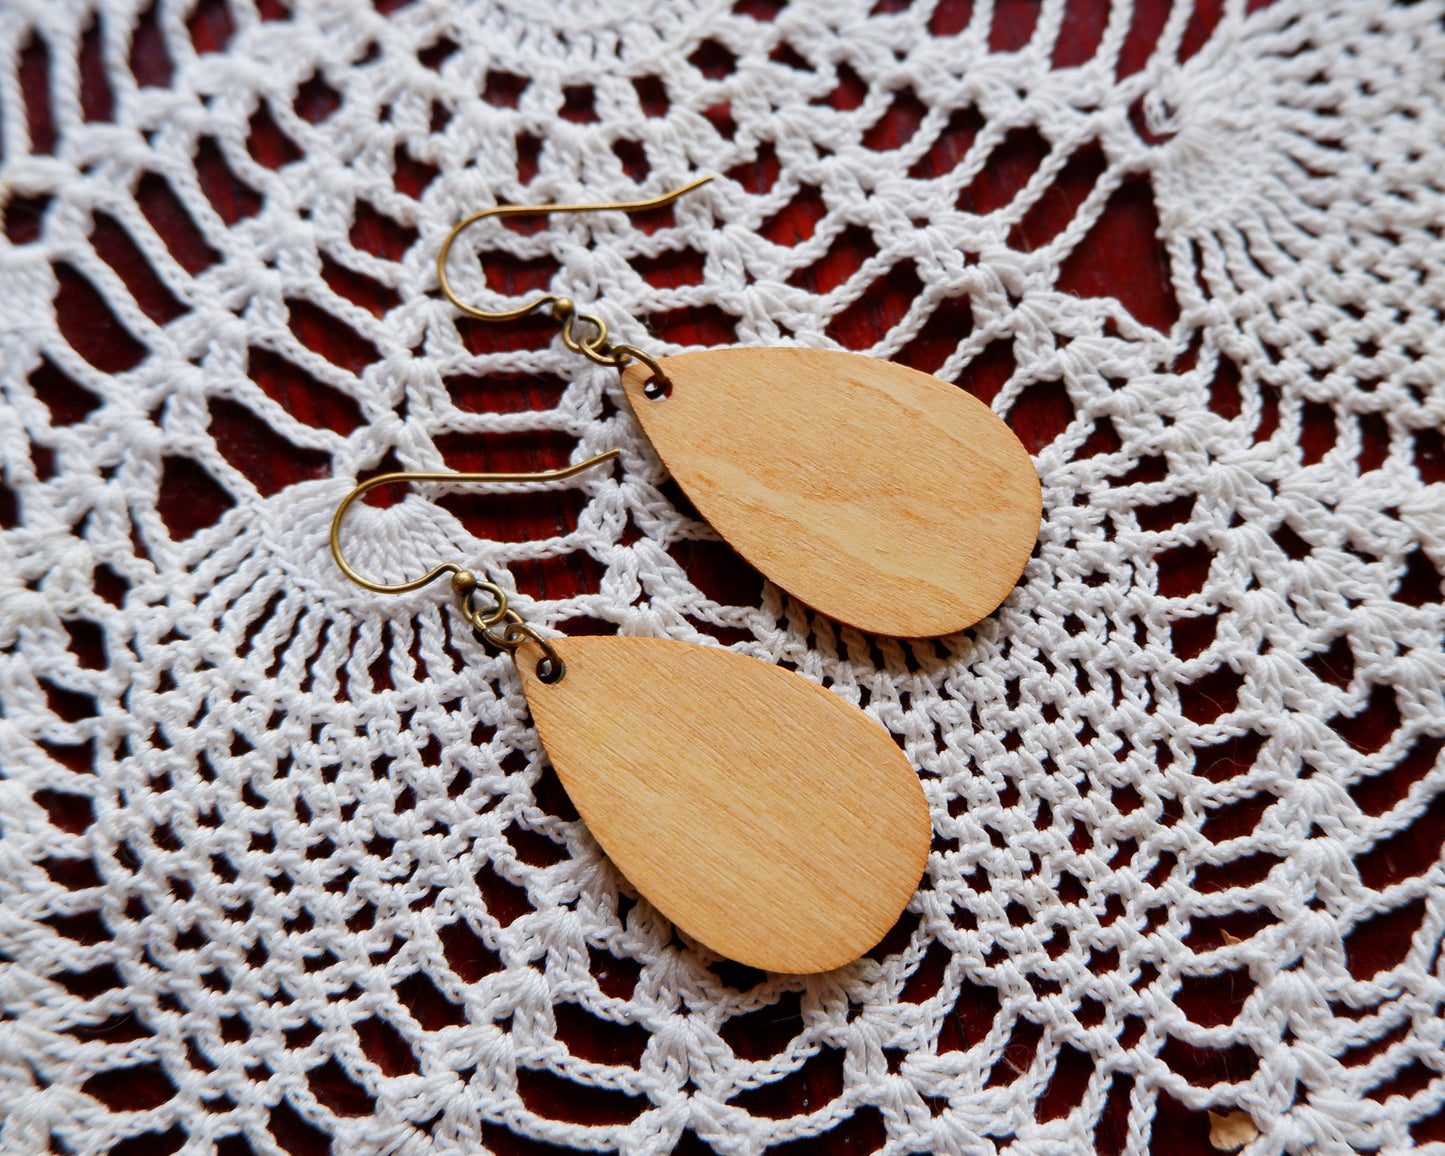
(656, 387)
(551, 670)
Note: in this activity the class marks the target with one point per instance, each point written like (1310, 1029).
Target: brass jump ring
(485, 621)
(515, 634)
(631, 352)
(592, 349)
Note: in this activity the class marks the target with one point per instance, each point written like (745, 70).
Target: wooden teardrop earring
(771, 820)
(881, 496)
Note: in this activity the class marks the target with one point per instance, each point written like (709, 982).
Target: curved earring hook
(406, 476)
(552, 299)
(595, 347)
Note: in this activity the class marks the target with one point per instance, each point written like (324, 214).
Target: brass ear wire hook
(465, 584)
(596, 348)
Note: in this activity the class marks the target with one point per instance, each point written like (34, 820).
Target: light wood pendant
(766, 817)
(881, 496)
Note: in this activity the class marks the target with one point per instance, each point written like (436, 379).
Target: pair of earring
(766, 817)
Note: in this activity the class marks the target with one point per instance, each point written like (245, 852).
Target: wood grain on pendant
(879, 495)
(766, 817)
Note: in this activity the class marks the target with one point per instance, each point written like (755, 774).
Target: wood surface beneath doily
(1121, 258)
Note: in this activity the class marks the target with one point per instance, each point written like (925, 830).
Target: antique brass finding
(466, 585)
(595, 347)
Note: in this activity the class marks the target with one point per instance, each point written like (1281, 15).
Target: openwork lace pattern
(283, 862)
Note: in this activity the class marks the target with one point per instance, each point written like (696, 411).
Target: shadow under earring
(882, 496)
(774, 822)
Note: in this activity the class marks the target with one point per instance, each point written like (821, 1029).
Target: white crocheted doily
(282, 861)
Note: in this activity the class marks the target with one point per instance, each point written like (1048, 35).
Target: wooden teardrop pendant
(881, 496)
(766, 817)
